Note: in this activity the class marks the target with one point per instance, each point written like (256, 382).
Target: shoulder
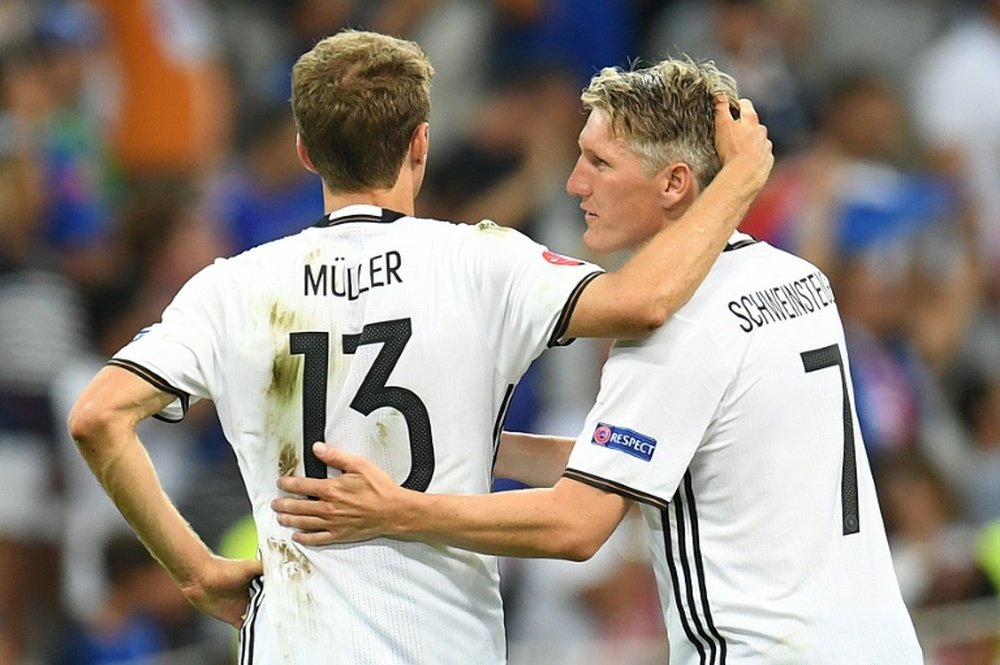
(488, 231)
(746, 279)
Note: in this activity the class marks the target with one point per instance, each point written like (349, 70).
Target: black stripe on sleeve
(567, 311)
(614, 488)
(158, 382)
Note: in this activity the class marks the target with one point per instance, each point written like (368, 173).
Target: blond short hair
(357, 98)
(665, 112)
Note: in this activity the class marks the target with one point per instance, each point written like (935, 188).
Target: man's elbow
(579, 543)
(88, 423)
(656, 314)
(644, 316)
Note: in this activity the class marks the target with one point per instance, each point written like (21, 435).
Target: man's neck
(398, 199)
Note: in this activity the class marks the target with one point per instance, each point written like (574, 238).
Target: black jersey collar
(739, 240)
(360, 212)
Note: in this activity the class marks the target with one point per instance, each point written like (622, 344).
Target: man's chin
(598, 243)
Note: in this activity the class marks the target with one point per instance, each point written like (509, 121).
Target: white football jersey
(392, 337)
(733, 426)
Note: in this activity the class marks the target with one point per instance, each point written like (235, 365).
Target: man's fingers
(302, 486)
(297, 506)
(302, 522)
(336, 458)
(723, 105)
(314, 539)
(254, 567)
(747, 109)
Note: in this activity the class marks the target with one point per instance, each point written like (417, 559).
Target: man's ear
(300, 148)
(676, 184)
(420, 143)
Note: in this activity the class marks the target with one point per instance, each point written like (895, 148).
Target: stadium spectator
(954, 84)
(268, 195)
(182, 124)
(42, 326)
(132, 624)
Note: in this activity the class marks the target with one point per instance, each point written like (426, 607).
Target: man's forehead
(599, 132)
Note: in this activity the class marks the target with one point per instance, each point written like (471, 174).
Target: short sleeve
(658, 398)
(179, 355)
(525, 293)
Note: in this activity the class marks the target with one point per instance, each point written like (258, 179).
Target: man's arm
(665, 273)
(569, 521)
(102, 423)
(532, 459)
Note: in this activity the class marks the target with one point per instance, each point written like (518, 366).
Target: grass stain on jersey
(382, 433)
(282, 320)
(284, 377)
(283, 389)
(489, 226)
(285, 367)
(293, 565)
(288, 459)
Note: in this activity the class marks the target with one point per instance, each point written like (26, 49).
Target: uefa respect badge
(626, 440)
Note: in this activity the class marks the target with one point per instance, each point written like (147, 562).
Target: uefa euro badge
(626, 440)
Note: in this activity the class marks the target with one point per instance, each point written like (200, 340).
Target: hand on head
(742, 142)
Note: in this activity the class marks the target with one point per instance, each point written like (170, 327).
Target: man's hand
(743, 142)
(358, 505)
(222, 588)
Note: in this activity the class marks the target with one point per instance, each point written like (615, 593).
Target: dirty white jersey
(392, 337)
(733, 426)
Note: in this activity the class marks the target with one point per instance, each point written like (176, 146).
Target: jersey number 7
(372, 394)
(829, 356)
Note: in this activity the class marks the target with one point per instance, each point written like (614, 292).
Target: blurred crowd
(139, 139)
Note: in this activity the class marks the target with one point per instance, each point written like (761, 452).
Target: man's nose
(576, 185)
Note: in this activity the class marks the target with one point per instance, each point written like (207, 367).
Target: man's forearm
(522, 523)
(536, 461)
(121, 465)
(569, 521)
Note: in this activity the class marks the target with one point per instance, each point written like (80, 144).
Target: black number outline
(818, 359)
(315, 349)
(372, 394)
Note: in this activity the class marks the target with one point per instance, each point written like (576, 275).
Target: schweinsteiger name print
(781, 303)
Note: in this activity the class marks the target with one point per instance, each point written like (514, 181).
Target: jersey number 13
(372, 394)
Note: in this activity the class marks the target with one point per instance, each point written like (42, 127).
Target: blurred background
(139, 139)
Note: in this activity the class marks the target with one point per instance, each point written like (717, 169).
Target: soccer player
(732, 426)
(402, 335)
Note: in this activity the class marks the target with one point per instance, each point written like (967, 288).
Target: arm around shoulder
(569, 521)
